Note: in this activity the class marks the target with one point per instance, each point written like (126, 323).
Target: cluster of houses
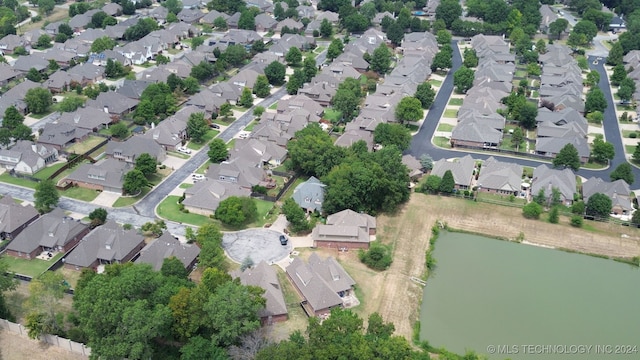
(632, 64)
(506, 178)
(479, 123)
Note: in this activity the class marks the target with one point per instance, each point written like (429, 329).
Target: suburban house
(618, 191)
(87, 118)
(61, 135)
(546, 178)
(14, 217)
(205, 195)
(52, 232)
(27, 157)
(9, 43)
(114, 104)
(310, 195)
(548, 16)
(7, 73)
(130, 149)
(500, 177)
(106, 244)
(265, 277)
(321, 283)
(345, 230)
(15, 97)
(239, 171)
(166, 246)
(265, 152)
(462, 170)
(104, 175)
(414, 165)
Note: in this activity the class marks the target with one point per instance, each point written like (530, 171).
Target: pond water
(516, 301)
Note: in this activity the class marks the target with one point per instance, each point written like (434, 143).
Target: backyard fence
(23, 176)
(291, 178)
(74, 160)
(74, 347)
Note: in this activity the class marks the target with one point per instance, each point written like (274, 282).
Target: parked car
(214, 126)
(197, 176)
(243, 135)
(183, 149)
(283, 240)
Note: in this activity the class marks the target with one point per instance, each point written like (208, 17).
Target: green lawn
(202, 169)
(127, 201)
(629, 149)
(48, 171)
(185, 185)
(450, 113)
(177, 154)
(279, 184)
(79, 193)
(593, 165)
(289, 191)
(231, 144)
(40, 116)
(521, 73)
(33, 267)
(263, 213)
(442, 141)
(251, 125)
(332, 115)
(535, 94)
(626, 133)
(169, 210)
(274, 106)
(83, 147)
(435, 82)
(456, 101)
(445, 127)
(205, 140)
(6, 178)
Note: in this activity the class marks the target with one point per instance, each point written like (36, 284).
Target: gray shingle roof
(86, 118)
(547, 178)
(109, 242)
(50, 230)
(207, 194)
(618, 191)
(462, 169)
(107, 172)
(167, 246)
(310, 194)
(13, 215)
(264, 276)
(500, 175)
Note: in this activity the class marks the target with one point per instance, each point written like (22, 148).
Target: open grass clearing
(71, 276)
(445, 127)
(450, 113)
(629, 149)
(456, 101)
(86, 145)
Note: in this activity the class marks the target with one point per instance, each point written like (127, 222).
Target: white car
(183, 149)
(243, 135)
(197, 176)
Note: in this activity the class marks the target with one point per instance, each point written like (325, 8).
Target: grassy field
(33, 267)
(80, 193)
(169, 210)
(56, 15)
(450, 113)
(48, 171)
(521, 73)
(83, 147)
(456, 101)
(445, 127)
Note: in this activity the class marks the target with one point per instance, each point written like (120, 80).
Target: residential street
(421, 143)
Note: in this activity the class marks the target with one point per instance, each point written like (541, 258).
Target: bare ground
(392, 293)
(16, 347)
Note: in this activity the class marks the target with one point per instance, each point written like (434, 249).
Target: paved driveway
(258, 244)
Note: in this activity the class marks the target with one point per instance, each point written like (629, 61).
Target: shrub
(576, 221)
(553, 215)
(378, 257)
(633, 135)
(532, 210)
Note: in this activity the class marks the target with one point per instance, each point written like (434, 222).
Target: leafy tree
(64, 28)
(12, 118)
(527, 115)
(296, 81)
(115, 69)
(443, 37)
(426, 95)
(172, 266)
(381, 59)
(615, 54)
(5, 139)
(567, 157)
(442, 60)
(517, 138)
(326, 29)
(295, 216)
(44, 304)
(134, 182)
(602, 151)
(44, 42)
(578, 207)
(636, 153)
(532, 210)
(46, 6)
(220, 23)
(593, 78)
(627, 89)
(312, 151)
(209, 238)
(102, 43)
(533, 69)
(554, 216)
(448, 11)
(258, 111)
(356, 23)
(34, 75)
(463, 79)
(275, 73)
(218, 151)
(98, 217)
(624, 172)
(246, 99)
(336, 47)
(197, 127)
(190, 85)
(247, 20)
(619, 74)
(431, 184)
(470, 58)
(203, 71)
(155, 228)
(392, 134)
(395, 33)
(261, 87)
(278, 12)
(38, 100)
(426, 161)
(377, 257)
(599, 205)
(582, 34)
(236, 211)
(346, 102)
(147, 164)
(447, 184)
(70, 103)
(46, 196)
(141, 29)
(595, 101)
(408, 109)
(309, 68)
(541, 46)
(293, 56)
(557, 27)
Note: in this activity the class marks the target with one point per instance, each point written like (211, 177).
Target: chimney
(106, 109)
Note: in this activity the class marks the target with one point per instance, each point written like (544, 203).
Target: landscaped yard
(251, 125)
(185, 185)
(48, 171)
(202, 169)
(521, 73)
(80, 193)
(279, 184)
(126, 201)
(332, 115)
(627, 133)
(33, 267)
(435, 82)
(445, 127)
(169, 210)
(177, 154)
(442, 141)
(450, 113)
(71, 276)
(6, 178)
(593, 165)
(274, 106)
(83, 147)
(263, 213)
(456, 101)
(629, 149)
(205, 140)
(293, 186)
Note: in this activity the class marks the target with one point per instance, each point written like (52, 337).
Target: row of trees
(13, 127)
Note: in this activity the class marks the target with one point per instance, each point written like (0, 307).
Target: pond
(516, 301)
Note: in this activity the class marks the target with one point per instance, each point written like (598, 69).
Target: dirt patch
(392, 293)
(16, 347)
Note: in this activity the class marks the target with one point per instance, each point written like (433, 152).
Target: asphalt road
(421, 143)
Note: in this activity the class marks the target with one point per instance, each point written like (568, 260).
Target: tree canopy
(46, 196)
(463, 79)
(599, 205)
(236, 211)
(392, 134)
(567, 157)
(218, 151)
(409, 109)
(623, 171)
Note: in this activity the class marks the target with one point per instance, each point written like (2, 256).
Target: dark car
(283, 240)
(214, 126)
